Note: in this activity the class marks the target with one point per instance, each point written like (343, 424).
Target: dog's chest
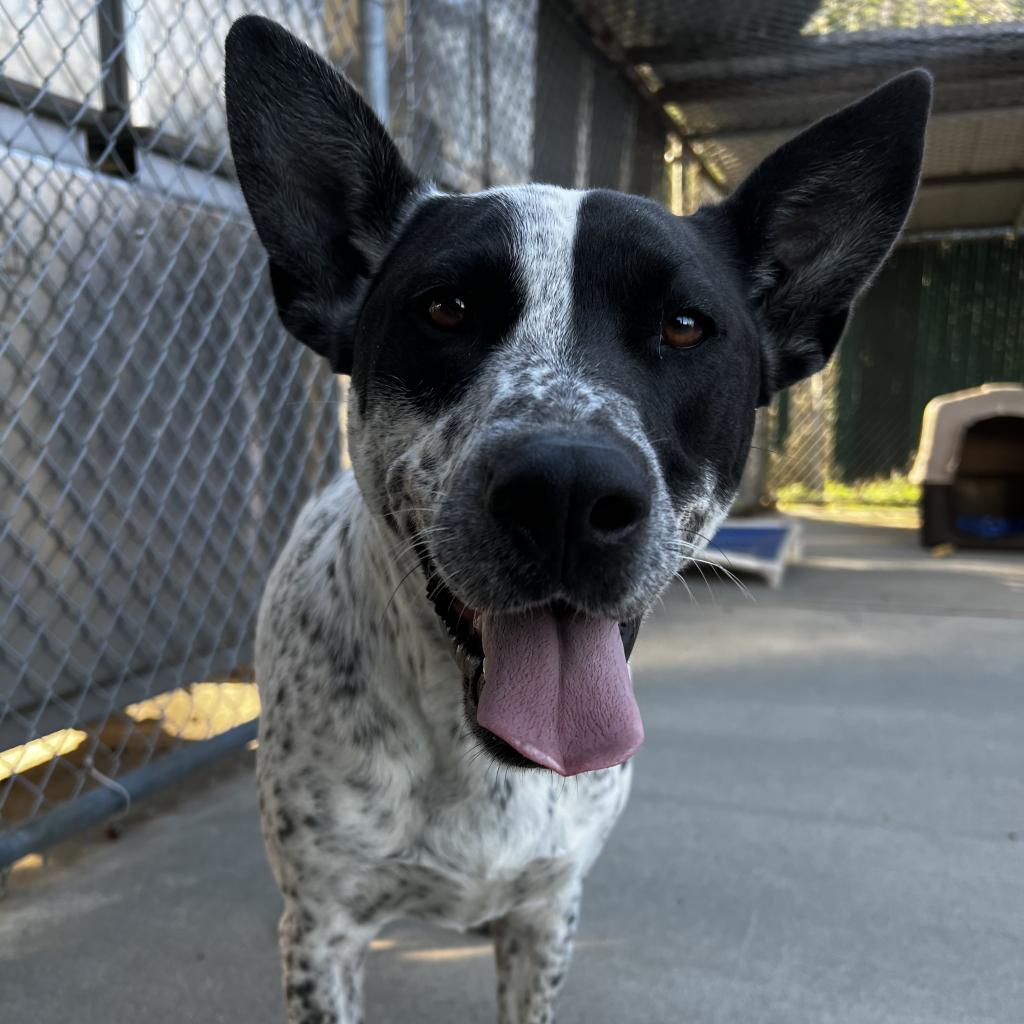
(372, 792)
(505, 842)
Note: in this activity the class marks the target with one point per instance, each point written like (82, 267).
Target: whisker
(682, 580)
(727, 573)
(711, 593)
(394, 593)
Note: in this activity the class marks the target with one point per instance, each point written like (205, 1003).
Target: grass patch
(884, 492)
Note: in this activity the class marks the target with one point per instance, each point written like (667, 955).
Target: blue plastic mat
(762, 546)
(765, 542)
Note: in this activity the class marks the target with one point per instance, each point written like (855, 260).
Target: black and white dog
(552, 400)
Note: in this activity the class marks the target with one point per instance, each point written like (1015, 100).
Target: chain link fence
(160, 431)
(943, 315)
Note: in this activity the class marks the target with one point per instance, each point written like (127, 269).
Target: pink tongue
(558, 690)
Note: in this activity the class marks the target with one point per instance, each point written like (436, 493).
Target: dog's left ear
(323, 181)
(816, 219)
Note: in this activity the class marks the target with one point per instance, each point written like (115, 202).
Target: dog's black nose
(565, 499)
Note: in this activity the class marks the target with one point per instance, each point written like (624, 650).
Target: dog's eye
(447, 310)
(684, 329)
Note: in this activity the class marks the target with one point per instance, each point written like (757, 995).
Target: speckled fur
(376, 801)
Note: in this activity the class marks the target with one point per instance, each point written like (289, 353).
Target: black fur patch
(461, 244)
(635, 264)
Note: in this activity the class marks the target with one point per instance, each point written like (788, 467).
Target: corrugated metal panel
(592, 129)
(967, 206)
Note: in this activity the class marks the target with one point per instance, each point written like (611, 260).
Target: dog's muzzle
(545, 678)
(567, 503)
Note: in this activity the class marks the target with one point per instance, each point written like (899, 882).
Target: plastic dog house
(970, 465)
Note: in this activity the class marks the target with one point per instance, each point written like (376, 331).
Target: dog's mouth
(544, 687)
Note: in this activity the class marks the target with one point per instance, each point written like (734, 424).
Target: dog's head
(553, 392)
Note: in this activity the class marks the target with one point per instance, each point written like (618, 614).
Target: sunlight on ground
(39, 751)
(856, 515)
(30, 862)
(200, 711)
(451, 954)
(54, 768)
(964, 566)
(454, 953)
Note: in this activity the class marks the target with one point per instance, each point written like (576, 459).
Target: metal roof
(740, 76)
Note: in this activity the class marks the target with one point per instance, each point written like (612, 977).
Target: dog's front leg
(533, 947)
(323, 959)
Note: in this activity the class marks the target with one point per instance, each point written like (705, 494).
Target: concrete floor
(827, 825)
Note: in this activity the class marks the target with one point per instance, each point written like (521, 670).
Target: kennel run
(160, 431)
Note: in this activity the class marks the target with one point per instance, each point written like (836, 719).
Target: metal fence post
(373, 17)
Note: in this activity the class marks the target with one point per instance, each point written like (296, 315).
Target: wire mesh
(160, 431)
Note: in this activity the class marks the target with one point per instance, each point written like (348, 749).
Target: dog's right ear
(324, 183)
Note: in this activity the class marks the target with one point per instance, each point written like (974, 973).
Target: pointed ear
(816, 219)
(324, 183)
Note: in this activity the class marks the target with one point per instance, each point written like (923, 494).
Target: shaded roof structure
(738, 77)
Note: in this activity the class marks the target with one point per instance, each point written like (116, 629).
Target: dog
(552, 399)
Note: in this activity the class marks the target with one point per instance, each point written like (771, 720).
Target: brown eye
(682, 330)
(447, 311)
